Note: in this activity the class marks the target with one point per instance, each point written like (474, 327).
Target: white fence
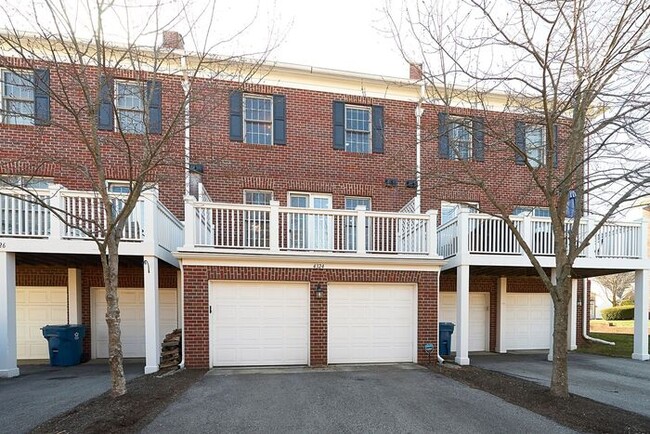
(276, 229)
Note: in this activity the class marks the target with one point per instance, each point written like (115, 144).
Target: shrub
(627, 303)
(618, 313)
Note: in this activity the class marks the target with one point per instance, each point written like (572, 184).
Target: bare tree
(74, 64)
(577, 70)
(616, 287)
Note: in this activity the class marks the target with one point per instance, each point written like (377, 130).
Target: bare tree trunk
(560, 375)
(110, 265)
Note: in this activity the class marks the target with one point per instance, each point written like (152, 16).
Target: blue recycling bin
(445, 330)
(65, 343)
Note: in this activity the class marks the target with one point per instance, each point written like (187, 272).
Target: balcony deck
(27, 227)
(484, 240)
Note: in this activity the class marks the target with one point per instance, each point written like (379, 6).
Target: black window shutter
(41, 97)
(338, 110)
(377, 129)
(555, 145)
(443, 136)
(279, 120)
(520, 141)
(105, 119)
(236, 117)
(478, 139)
(154, 96)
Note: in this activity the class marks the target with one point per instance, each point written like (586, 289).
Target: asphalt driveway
(391, 398)
(623, 383)
(42, 392)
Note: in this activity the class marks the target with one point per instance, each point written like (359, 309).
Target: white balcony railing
(282, 229)
(485, 234)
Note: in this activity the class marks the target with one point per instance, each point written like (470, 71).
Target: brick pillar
(318, 320)
(85, 312)
(196, 319)
(427, 315)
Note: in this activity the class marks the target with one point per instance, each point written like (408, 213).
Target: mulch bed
(146, 397)
(576, 412)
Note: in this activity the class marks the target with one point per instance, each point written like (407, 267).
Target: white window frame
(346, 129)
(28, 120)
(452, 122)
(118, 109)
(534, 211)
(472, 207)
(245, 120)
(251, 190)
(369, 199)
(310, 232)
(536, 155)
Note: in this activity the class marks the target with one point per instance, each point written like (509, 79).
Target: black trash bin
(445, 330)
(65, 342)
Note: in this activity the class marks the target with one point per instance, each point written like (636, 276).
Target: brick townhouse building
(310, 229)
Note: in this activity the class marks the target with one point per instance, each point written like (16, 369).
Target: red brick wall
(35, 275)
(196, 304)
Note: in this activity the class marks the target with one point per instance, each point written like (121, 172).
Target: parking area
(388, 398)
(42, 392)
(623, 383)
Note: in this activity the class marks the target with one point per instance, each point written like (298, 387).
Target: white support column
(189, 222)
(641, 295)
(151, 314)
(274, 226)
(8, 345)
(573, 317)
(432, 231)
(462, 315)
(74, 295)
(502, 289)
(552, 307)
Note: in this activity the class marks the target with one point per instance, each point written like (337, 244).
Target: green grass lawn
(623, 348)
(622, 323)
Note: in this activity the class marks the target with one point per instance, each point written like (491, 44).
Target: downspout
(419, 110)
(181, 365)
(584, 318)
(186, 161)
(440, 359)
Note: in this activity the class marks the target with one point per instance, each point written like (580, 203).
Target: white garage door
(371, 323)
(259, 323)
(132, 313)
(36, 307)
(479, 318)
(528, 321)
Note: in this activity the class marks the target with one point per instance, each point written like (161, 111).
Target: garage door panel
(528, 317)
(478, 318)
(35, 308)
(371, 323)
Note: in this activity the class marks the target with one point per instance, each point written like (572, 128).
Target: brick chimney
(415, 71)
(172, 40)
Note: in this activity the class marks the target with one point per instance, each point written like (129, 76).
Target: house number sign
(319, 266)
(3, 245)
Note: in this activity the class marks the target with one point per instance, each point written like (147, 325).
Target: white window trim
(346, 129)
(118, 109)
(257, 96)
(534, 162)
(253, 190)
(529, 211)
(2, 94)
(369, 208)
(454, 154)
(310, 195)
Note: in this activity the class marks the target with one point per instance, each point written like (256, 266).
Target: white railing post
(361, 229)
(591, 248)
(463, 235)
(57, 201)
(190, 222)
(149, 218)
(432, 233)
(527, 233)
(643, 239)
(274, 226)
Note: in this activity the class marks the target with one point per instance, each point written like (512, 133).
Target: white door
(479, 318)
(371, 323)
(35, 308)
(132, 313)
(310, 231)
(528, 321)
(259, 323)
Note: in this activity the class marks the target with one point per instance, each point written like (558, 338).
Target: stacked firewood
(171, 350)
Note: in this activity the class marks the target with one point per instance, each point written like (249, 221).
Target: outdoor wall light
(319, 291)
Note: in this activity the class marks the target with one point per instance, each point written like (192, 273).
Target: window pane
(258, 197)
(19, 112)
(18, 86)
(351, 203)
(258, 109)
(535, 145)
(298, 201)
(129, 96)
(259, 133)
(258, 120)
(357, 129)
(18, 98)
(131, 121)
(460, 138)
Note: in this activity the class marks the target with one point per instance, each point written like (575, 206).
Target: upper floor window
(258, 197)
(358, 129)
(25, 182)
(129, 105)
(450, 210)
(18, 97)
(351, 203)
(258, 119)
(531, 211)
(532, 141)
(460, 137)
(119, 187)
